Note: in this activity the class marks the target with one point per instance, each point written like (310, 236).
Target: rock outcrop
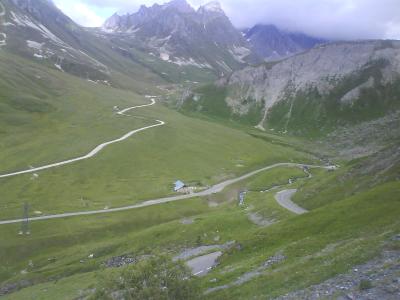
(177, 33)
(321, 70)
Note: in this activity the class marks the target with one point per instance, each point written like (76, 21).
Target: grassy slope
(145, 167)
(317, 245)
(141, 231)
(212, 106)
(354, 177)
(43, 110)
(67, 117)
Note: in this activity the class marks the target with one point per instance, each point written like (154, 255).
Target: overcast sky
(333, 19)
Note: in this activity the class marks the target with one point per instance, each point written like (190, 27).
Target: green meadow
(80, 116)
(320, 244)
(48, 116)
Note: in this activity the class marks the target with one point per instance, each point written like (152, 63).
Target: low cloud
(333, 19)
(80, 12)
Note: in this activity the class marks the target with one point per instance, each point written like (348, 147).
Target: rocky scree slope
(316, 91)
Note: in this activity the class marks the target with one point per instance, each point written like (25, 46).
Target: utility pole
(25, 221)
(241, 195)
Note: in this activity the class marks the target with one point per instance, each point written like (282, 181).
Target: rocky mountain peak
(116, 22)
(112, 21)
(45, 12)
(273, 43)
(213, 7)
(147, 14)
(180, 5)
(174, 31)
(143, 9)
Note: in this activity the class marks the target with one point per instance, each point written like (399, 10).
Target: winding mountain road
(201, 265)
(284, 199)
(96, 150)
(212, 190)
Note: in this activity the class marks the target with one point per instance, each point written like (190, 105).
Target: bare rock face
(321, 69)
(355, 93)
(177, 33)
(116, 21)
(37, 29)
(129, 22)
(376, 279)
(272, 43)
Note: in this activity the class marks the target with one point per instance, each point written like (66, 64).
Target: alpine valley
(170, 155)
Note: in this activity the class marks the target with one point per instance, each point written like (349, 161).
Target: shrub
(365, 285)
(156, 278)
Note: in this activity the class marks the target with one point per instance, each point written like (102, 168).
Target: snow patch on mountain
(224, 66)
(34, 45)
(3, 36)
(239, 53)
(3, 39)
(190, 62)
(164, 56)
(24, 21)
(59, 67)
(96, 62)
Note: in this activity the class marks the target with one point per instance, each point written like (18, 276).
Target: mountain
(39, 30)
(314, 92)
(169, 42)
(96, 125)
(178, 34)
(144, 14)
(272, 43)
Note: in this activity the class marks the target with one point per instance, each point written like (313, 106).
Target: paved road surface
(201, 265)
(95, 150)
(212, 190)
(284, 199)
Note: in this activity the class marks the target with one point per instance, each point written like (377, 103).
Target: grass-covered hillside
(277, 212)
(48, 116)
(65, 258)
(209, 102)
(55, 117)
(41, 32)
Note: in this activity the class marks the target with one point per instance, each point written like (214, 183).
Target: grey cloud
(333, 19)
